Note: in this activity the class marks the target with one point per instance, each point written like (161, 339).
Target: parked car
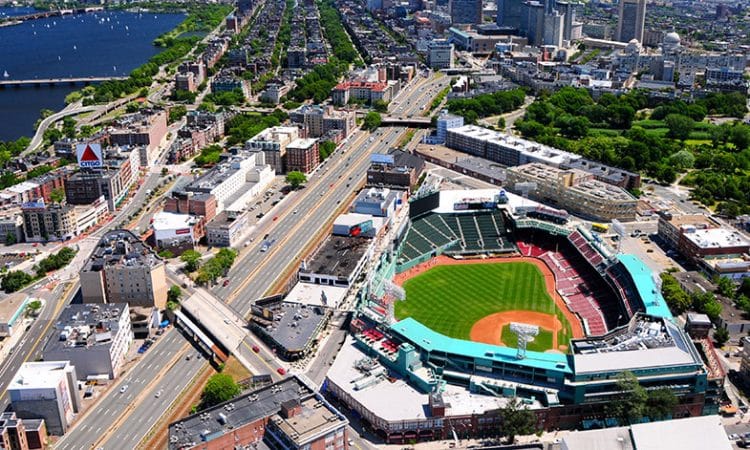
(281, 371)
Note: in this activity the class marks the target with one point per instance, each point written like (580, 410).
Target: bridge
(56, 81)
(15, 20)
(414, 122)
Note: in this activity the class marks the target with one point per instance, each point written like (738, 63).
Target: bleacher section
(585, 293)
(467, 233)
(619, 278)
(586, 250)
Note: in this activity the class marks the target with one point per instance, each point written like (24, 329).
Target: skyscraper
(509, 13)
(466, 11)
(631, 17)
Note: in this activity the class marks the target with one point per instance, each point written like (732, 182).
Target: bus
(599, 227)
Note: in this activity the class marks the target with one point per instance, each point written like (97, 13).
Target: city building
(445, 121)
(698, 237)
(287, 414)
(227, 82)
(119, 170)
(466, 11)
(691, 433)
(573, 190)
(398, 169)
(42, 222)
(197, 204)
(291, 329)
(338, 261)
(317, 120)
(46, 390)
(236, 179)
(147, 127)
(378, 202)
(273, 142)
(93, 338)
(12, 308)
(509, 13)
(123, 269)
(440, 54)
(366, 91)
(20, 434)
(226, 229)
(273, 92)
(185, 82)
(177, 230)
(302, 155)
(11, 227)
(631, 18)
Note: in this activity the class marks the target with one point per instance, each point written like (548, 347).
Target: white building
(89, 215)
(46, 390)
(170, 227)
(94, 338)
(440, 54)
(445, 122)
(243, 175)
(273, 142)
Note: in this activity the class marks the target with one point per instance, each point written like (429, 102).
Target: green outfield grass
(542, 341)
(450, 299)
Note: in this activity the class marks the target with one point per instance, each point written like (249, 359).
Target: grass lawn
(542, 341)
(450, 299)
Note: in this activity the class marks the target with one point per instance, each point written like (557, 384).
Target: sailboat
(5, 74)
(75, 47)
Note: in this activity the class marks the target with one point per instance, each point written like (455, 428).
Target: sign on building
(89, 155)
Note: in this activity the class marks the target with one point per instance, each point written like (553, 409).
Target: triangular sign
(89, 155)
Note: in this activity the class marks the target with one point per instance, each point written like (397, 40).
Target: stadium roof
(431, 341)
(647, 289)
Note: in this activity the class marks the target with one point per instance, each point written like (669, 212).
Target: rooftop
(39, 375)
(647, 342)
(716, 238)
(310, 422)
(592, 188)
(646, 286)
(338, 256)
(303, 143)
(293, 325)
(266, 402)
(86, 325)
(121, 248)
(314, 294)
(169, 221)
(12, 306)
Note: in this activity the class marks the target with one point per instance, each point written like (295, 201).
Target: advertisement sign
(89, 155)
(360, 228)
(183, 231)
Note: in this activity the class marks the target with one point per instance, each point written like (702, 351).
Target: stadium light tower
(526, 333)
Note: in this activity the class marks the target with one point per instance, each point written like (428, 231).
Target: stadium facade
(459, 386)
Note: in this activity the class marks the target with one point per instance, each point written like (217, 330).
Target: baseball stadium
(484, 296)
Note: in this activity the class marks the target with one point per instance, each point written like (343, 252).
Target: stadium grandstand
(412, 383)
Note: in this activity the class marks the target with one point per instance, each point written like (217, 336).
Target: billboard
(89, 155)
(360, 228)
(424, 205)
(474, 205)
(183, 231)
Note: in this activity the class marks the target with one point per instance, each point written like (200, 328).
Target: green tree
(372, 120)
(725, 286)
(326, 148)
(682, 160)
(15, 280)
(679, 126)
(295, 179)
(677, 299)
(380, 106)
(501, 123)
(517, 420)
(219, 388)
(721, 336)
(660, 403)
(166, 254)
(34, 306)
(57, 195)
(192, 260)
(632, 405)
(10, 238)
(176, 113)
(174, 293)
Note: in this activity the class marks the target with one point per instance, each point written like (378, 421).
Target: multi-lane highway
(293, 224)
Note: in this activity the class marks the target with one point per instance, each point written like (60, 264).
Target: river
(105, 43)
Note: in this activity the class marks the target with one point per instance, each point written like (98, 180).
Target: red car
(256, 349)
(275, 218)
(281, 371)
(226, 282)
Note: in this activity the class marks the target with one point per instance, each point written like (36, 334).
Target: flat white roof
(633, 359)
(692, 433)
(449, 197)
(23, 187)
(400, 400)
(302, 143)
(716, 238)
(171, 221)
(312, 294)
(350, 219)
(39, 375)
(608, 438)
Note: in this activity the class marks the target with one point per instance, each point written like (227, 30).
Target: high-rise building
(533, 22)
(440, 54)
(46, 390)
(630, 20)
(568, 11)
(509, 13)
(123, 269)
(466, 11)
